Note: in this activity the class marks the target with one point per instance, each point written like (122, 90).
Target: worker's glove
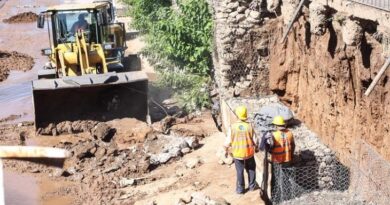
(269, 139)
(226, 153)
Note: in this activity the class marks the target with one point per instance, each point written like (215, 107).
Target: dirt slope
(323, 79)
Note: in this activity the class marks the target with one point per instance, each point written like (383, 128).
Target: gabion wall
(315, 166)
(241, 51)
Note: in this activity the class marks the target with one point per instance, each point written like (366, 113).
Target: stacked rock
(315, 165)
(175, 146)
(234, 21)
(312, 154)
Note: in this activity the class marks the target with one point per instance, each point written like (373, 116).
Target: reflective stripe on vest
(242, 142)
(282, 149)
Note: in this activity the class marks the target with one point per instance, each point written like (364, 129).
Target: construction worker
(240, 140)
(80, 24)
(280, 143)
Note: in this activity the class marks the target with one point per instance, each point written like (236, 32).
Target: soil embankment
(324, 77)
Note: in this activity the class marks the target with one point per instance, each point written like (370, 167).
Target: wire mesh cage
(380, 4)
(290, 182)
(386, 45)
(366, 180)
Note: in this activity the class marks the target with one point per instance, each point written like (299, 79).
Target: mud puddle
(15, 194)
(23, 189)
(16, 99)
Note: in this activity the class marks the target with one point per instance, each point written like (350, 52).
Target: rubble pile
(173, 147)
(68, 127)
(115, 155)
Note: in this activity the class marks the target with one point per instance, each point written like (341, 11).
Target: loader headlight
(46, 51)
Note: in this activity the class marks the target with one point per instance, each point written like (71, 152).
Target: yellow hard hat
(278, 120)
(241, 112)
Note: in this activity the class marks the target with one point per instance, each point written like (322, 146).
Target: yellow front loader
(86, 77)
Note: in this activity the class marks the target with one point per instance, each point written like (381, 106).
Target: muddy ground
(115, 162)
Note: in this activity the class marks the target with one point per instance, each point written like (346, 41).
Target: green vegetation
(178, 45)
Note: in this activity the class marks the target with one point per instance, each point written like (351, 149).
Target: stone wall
(241, 52)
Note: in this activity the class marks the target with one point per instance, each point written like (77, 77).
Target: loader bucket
(100, 97)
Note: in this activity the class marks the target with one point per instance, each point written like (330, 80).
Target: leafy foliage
(178, 45)
(145, 12)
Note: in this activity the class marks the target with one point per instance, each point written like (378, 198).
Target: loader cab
(95, 20)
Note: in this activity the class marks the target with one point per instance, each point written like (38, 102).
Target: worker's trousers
(250, 166)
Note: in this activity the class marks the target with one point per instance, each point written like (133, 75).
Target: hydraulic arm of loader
(88, 58)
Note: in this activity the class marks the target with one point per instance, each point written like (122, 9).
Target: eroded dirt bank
(323, 77)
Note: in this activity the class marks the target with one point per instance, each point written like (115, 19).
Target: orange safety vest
(282, 149)
(242, 142)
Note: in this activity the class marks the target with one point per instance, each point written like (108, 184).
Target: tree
(178, 45)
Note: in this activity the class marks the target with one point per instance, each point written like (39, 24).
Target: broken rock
(130, 131)
(127, 182)
(102, 131)
(192, 163)
(161, 158)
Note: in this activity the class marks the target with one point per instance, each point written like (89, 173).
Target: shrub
(178, 45)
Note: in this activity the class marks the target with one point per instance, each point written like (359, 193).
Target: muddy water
(16, 96)
(20, 189)
(15, 92)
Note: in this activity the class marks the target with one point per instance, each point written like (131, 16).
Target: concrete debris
(192, 163)
(185, 150)
(174, 146)
(198, 198)
(161, 158)
(124, 182)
